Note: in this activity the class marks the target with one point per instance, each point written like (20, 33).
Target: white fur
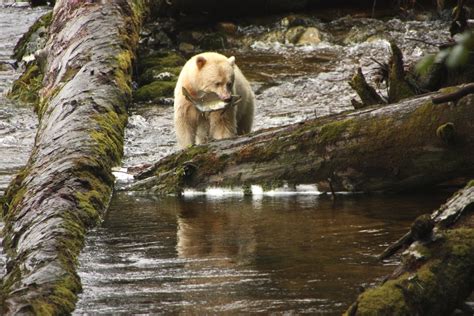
(202, 72)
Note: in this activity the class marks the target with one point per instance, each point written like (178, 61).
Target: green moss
(15, 192)
(333, 131)
(424, 116)
(385, 300)
(109, 136)
(272, 185)
(62, 299)
(433, 288)
(26, 88)
(161, 60)
(447, 133)
(449, 90)
(247, 189)
(123, 77)
(154, 91)
(172, 175)
(22, 45)
(151, 87)
(470, 184)
(152, 74)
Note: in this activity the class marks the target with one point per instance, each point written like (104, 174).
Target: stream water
(17, 121)
(234, 255)
(229, 253)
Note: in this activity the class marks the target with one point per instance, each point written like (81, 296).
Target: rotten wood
(398, 86)
(367, 94)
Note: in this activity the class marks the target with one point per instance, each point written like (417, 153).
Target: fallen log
(397, 147)
(67, 183)
(437, 271)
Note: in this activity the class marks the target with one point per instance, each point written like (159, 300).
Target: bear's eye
(217, 84)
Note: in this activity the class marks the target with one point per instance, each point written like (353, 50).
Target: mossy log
(395, 147)
(437, 270)
(67, 183)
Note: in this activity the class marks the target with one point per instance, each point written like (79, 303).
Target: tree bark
(67, 182)
(437, 272)
(396, 147)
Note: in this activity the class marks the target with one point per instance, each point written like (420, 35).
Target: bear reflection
(215, 230)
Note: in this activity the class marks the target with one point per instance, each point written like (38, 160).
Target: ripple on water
(239, 255)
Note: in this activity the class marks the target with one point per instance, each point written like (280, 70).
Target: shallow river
(302, 254)
(230, 254)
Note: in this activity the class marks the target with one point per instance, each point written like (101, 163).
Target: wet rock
(227, 28)
(359, 34)
(295, 20)
(310, 36)
(160, 39)
(193, 37)
(294, 34)
(186, 48)
(213, 41)
(273, 36)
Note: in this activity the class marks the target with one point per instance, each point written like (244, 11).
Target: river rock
(227, 28)
(295, 20)
(186, 48)
(160, 39)
(213, 41)
(274, 36)
(193, 37)
(311, 36)
(294, 34)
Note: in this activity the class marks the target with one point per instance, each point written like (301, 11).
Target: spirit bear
(212, 72)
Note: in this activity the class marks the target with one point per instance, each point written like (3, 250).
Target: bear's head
(214, 73)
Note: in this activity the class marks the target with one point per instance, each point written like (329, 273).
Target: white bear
(212, 72)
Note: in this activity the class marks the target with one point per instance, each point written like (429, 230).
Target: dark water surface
(301, 254)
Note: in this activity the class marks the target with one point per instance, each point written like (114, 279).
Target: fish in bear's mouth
(210, 101)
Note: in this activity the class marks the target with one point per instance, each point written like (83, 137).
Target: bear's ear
(200, 62)
(232, 60)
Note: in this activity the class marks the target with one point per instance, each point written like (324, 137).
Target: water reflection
(301, 254)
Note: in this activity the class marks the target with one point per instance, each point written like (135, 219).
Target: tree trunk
(67, 182)
(437, 270)
(396, 147)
